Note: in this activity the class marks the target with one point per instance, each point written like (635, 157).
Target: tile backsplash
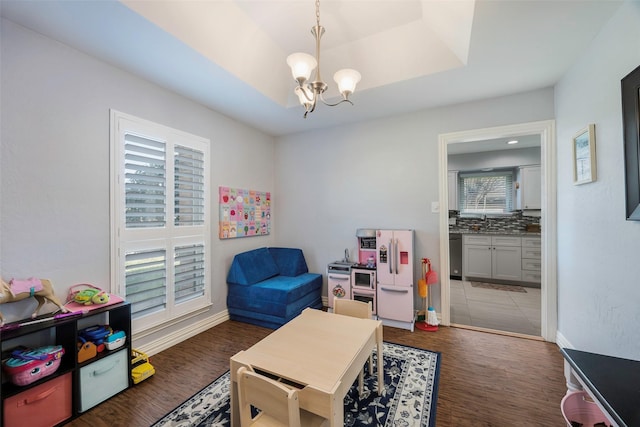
(515, 222)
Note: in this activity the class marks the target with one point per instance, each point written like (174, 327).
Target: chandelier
(303, 64)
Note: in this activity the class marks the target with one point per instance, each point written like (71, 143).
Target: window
(486, 192)
(160, 220)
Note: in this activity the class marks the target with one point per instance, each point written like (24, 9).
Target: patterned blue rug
(409, 398)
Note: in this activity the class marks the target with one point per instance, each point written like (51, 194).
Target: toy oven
(365, 295)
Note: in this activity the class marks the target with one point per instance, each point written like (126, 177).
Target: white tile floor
(496, 309)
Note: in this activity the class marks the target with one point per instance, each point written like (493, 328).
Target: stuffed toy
(88, 296)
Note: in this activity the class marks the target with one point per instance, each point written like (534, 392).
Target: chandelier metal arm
(337, 103)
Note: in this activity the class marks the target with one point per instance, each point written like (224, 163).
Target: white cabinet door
(452, 184)
(492, 257)
(476, 261)
(531, 183)
(507, 262)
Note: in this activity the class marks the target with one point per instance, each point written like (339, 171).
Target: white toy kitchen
(381, 274)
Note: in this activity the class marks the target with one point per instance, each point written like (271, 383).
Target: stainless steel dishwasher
(455, 256)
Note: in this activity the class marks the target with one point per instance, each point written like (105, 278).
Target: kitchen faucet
(346, 255)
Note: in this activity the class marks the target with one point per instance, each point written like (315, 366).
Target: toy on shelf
(40, 289)
(11, 326)
(95, 339)
(115, 340)
(86, 351)
(87, 294)
(27, 365)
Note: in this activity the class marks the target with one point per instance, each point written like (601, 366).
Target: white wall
(55, 163)
(598, 251)
(378, 174)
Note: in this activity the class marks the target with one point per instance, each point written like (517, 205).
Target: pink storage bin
(44, 405)
(578, 407)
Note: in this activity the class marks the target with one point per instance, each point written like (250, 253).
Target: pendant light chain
(318, 12)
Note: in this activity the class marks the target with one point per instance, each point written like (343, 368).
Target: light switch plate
(435, 207)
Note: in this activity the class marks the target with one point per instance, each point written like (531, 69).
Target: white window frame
(509, 196)
(166, 237)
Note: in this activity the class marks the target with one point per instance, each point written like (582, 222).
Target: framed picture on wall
(631, 129)
(584, 155)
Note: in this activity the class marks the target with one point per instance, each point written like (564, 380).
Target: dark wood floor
(485, 379)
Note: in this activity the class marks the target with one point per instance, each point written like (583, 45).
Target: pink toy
(29, 365)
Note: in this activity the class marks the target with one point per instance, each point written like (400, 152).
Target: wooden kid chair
(278, 403)
(361, 310)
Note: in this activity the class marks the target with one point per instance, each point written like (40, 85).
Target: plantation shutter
(145, 182)
(146, 281)
(161, 220)
(189, 272)
(188, 186)
(486, 192)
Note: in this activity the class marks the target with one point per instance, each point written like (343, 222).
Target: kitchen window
(485, 192)
(160, 220)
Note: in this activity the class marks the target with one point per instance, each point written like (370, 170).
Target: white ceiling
(413, 54)
(497, 144)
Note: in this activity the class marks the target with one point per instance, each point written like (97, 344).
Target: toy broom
(430, 323)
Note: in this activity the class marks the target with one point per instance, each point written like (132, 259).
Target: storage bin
(103, 378)
(45, 405)
(578, 407)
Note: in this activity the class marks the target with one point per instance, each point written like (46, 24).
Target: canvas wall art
(244, 213)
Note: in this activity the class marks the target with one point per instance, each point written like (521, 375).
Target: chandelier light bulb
(347, 79)
(302, 65)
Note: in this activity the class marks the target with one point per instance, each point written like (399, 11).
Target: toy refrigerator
(394, 262)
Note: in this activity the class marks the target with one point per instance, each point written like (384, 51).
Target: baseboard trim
(562, 341)
(183, 334)
(497, 332)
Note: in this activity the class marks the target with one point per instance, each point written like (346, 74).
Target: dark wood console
(612, 382)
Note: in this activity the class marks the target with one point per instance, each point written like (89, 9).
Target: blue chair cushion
(252, 267)
(290, 261)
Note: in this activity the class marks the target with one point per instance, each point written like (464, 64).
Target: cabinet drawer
(531, 264)
(531, 276)
(530, 242)
(476, 239)
(534, 253)
(44, 405)
(505, 241)
(102, 379)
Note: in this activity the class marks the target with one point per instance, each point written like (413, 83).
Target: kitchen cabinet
(531, 259)
(492, 257)
(530, 191)
(75, 386)
(452, 184)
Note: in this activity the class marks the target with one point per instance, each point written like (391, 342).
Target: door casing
(549, 286)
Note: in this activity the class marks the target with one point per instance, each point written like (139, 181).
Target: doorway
(545, 131)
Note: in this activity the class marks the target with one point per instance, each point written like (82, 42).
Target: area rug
(497, 287)
(409, 398)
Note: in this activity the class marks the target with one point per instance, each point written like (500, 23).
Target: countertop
(460, 230)
(615, 383)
